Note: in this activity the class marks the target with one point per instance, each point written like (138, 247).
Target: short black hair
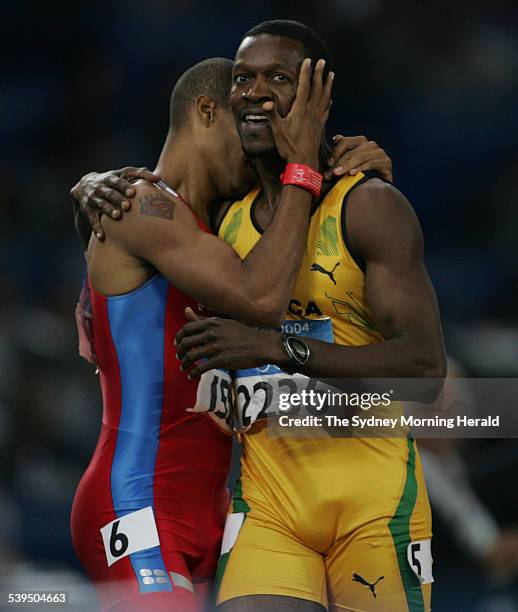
(314, 46)
(211, 77)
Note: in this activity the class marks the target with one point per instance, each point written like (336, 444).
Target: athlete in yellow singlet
(342, 524)
(366, 495)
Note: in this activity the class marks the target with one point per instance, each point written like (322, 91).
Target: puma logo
(318, 268)
(372, 586)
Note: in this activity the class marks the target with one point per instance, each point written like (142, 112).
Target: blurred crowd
(85, 87)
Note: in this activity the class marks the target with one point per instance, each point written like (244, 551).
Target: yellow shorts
(360, 541)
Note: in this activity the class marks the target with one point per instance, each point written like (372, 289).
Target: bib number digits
(118, 541)
(128, 534)
(220, 395)
(419, 556)
(259, 389)
(214, 396)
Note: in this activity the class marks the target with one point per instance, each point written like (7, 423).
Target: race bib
(233, 524)
(261, 392)
(419, 556)
(128, 534)
(214, 396)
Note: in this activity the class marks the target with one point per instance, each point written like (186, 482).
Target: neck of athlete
(268, 170)
(185, 169)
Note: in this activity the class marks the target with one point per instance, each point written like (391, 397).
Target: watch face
(300, 349)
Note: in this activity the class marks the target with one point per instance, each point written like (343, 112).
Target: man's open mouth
(255, 118)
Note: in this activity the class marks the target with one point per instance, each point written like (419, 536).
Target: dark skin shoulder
(128, 258)
(384, 230)
(378, 213)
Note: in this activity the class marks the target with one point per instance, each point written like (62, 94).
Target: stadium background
(86, 87)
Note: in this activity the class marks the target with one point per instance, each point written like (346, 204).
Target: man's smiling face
(266, 68)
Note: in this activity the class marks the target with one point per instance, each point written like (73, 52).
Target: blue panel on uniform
(137, 328)
(151, 571)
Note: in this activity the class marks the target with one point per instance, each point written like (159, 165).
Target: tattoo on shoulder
(155, 205)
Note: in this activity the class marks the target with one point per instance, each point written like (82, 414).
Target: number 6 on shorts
(128, 534)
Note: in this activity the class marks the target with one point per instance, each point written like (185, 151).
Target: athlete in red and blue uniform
(148, 514)
(151, 454)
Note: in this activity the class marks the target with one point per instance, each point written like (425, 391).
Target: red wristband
(303, 176)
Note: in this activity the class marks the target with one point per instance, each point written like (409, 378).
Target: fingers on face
(316, 83)
(326, 101)
(325, 116)
(304, 84)
(321, 88)
(271, 108)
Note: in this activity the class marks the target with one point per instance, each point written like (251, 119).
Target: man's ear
(206, 109)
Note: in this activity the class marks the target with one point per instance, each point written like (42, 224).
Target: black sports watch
(296, 349)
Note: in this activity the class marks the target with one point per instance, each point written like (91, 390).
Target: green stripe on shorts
(238, 501)
(399, 526)
(238, 505)
(222, 566)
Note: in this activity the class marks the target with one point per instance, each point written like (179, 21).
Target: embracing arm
(384, 231)
(110, 192)
(164, 233)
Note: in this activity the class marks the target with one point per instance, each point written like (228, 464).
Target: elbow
(268, 312)
(430, 366)
(434, 366)
(419, 357)
(431, 369)
(425, 358)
